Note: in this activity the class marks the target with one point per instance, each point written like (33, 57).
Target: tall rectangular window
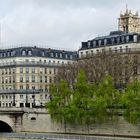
(33, 78)
(21, 78)
(21, 70)
(33, 69)
(27, 78)
(27, 70)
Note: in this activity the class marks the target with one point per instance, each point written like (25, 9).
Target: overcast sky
(61, 24)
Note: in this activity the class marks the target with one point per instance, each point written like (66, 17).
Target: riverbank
(54, 136)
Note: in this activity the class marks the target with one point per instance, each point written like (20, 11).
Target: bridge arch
(4, 127)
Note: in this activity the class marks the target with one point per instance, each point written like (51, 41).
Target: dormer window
(122, 38)
(43, 53)
(99, 42)
(105, 41)
(94, 43)
(60, 55)
(66, 56)
(89, 44)
(135, 38)
(8, 54)
(29, 52)
(56, 55)
(118, 40)
(71, 56)
(51, 54)
(112, 40)
(23, 52)
(127, 38)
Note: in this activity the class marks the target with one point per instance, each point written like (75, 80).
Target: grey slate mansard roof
(27, 51)
(113, 35)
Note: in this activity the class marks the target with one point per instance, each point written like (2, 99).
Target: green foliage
(88, 103)
(131, 102)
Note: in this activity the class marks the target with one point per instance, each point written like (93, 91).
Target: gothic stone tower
(129, 22)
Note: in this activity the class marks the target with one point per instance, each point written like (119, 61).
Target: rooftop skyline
(59, 23)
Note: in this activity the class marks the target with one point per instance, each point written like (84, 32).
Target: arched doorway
(4, 127)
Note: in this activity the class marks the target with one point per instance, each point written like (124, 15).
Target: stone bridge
(11, 119)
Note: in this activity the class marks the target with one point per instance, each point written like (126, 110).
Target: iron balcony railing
(107, 52)
(21, 91)
(31, 63)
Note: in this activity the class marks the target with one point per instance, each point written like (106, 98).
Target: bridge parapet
(23, 110)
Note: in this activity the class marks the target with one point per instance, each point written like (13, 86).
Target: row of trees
(85, 103)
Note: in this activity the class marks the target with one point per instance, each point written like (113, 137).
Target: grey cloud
(60, 23)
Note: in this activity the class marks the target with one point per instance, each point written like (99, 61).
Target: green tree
(85, 103)
(60, 99)
(131, 102)
(107, 98)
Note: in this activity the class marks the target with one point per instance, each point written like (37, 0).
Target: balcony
(108, 52)
(29, 63)
(20, 91)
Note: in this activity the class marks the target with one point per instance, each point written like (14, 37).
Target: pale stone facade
(25, 77)
(129, 22)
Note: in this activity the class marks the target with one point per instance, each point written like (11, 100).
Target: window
(46, 88)
(105, 41)
(45, 70)
(60, 55)
(33, 78)
(41, 79)
(21, 86)
(29, 52)
(56, 55)
(23, 52)
(27, 78)
(112, 40)
(66, 56)
(71, 56)
(5, 71)
(50, 72)
(127, 38)
(21, 70)
(13, 79)
(99, 42)
(21, 78)
(27, 70)
(41, 70)
(50, 80)
(122, 38)
(46, 79)
(21, 96)
(10, 79)
(88, 44)
(41, 89)
(118, 40)
(14, 70)
(94, 43)
(33, 69)
(43, 53)
(9, 71)
(51, 54)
